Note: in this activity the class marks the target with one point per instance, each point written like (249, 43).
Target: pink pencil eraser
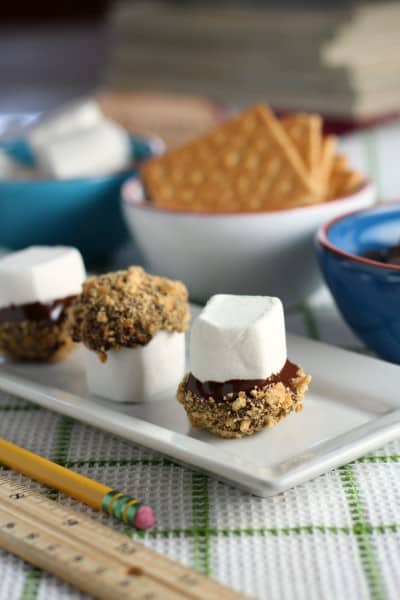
(144, 518)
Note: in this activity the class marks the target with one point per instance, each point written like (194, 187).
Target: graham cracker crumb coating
(245, 413)
(36, 340)
(126, 309)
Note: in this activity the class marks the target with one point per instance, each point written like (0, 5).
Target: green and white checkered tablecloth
(333, 538)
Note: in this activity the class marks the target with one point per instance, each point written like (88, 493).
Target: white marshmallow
(138, 374)
(40, 274)
(73, 117)
(238, 337)
(97, 150)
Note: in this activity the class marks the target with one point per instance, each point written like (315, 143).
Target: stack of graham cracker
(252, 162)
(339, 59)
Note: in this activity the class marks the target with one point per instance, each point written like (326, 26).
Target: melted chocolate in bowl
(389, 255)
(218, 390)
(50, 312)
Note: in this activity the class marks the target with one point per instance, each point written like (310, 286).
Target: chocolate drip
(50, 312)
(218, 390)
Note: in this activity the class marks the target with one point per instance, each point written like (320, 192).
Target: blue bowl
(366, 292)
(82, 212)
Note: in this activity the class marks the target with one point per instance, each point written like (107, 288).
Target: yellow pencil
(97, 495)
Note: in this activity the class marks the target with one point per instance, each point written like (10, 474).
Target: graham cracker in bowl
(305, 131)
(247, 163)
(343, 180)
(252, 162)
(328, 153)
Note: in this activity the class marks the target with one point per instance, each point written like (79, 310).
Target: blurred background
(167, 70)
(338, 58)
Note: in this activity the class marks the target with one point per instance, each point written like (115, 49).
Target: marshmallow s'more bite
(37, 286)
(241, 380)
(132, 326)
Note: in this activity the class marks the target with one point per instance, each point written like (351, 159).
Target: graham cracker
(328, 154)
(343, 179)
(305, 131)
(247, 163)
(344, 182)
(340, 163)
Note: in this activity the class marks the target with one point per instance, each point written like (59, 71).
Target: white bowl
(269, 253)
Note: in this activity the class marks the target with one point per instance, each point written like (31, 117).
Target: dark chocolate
(218, 390)
(390, 255)
(49, 312)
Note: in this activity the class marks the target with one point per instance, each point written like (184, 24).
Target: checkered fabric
(332, 538)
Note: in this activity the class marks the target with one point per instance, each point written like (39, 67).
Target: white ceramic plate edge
(261, 481)
(177, 446)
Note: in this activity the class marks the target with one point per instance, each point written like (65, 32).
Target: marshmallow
(40, 274)
(74, 117)
(137, 374)
(238, 337)
(103, 148)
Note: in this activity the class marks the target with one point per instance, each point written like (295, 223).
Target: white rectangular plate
(351, 408)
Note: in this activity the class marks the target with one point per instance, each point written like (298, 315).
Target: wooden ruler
(92, 557)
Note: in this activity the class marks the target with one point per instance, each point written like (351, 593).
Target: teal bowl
(82, 212)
